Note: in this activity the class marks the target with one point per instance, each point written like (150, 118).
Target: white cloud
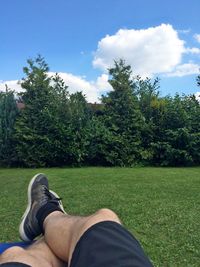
(13, 85)
(192, 50)
(185, 31)
(183, 70)
(148, 51)
(155, 50)
(91, 89)
(102, 83)
(197, 37)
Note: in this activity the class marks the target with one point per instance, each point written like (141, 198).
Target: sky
(80, 39)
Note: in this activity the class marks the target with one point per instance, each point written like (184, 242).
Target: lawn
(160, 206)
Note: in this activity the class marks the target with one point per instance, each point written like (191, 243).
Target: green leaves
(8, 114)
(122, 117)
(133, 124)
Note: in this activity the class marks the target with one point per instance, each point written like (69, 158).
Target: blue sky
(159, 38)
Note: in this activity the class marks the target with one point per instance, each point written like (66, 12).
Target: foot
(38, 196)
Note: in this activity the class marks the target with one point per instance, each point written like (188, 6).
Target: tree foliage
(41, 128)
(132, 125)
(8, 115)
(122, 117)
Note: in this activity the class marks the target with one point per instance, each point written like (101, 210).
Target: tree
(192, 107)
(8, 114)
(122, 117)
(148, 98)
(41, 129)
(79, 128)
(132, 125)
(147, 91)
(177, 141)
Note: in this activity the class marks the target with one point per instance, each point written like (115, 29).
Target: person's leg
(98, 238)
(63, 231)
(37, 254)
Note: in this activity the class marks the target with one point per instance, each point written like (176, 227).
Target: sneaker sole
(22, 234)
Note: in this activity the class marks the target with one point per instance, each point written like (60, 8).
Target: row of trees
(132, 125)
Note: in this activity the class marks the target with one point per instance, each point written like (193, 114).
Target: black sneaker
(38, 196)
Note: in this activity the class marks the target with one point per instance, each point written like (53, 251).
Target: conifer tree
(40, 129)
(8, 114)
(122, 116)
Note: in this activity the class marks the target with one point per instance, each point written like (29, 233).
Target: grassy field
(160, 206)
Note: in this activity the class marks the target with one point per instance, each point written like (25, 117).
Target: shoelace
(49, 197)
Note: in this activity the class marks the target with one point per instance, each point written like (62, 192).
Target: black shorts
(105, 244)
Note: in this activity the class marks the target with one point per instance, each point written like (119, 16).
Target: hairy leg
(38, 254)
(63, 231)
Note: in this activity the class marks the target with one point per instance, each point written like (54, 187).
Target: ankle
(44, 212)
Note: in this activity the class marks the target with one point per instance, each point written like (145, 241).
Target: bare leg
(38, 254)
(62, 231)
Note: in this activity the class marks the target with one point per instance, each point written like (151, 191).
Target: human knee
(108, 215)
(12, 252)
(106, 212)
(99, 216)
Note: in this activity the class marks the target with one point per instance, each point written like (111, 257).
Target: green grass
(160, 206)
